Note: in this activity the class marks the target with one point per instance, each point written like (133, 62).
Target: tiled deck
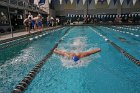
(9, 36)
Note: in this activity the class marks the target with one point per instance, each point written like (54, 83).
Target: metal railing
(15, 2)
(19, 4)
(4, 0)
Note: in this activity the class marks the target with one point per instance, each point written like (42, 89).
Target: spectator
(30, 16)
(52, 21)
(57, 21)
(27, 23)
(48, 21)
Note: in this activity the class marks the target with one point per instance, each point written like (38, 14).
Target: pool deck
(22, 33)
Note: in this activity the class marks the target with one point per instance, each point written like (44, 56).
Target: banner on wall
(108, 1)
(89, 1)
(78, 1)
(50, 1)
(60, 2)
(134, 2)
(128, 1)
(66, 1)
(102, 4)
(69, 6)
(84, 2)
(71, 1)
(114, 1)
(96, 1)
(101, 1)
(121, 1)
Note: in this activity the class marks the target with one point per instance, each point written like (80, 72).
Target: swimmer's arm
(84, 54)
(60, 52)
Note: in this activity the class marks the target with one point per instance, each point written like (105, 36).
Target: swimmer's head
(75, 58)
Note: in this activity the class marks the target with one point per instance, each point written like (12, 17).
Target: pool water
(125, 36)
(16, 61)
(106, 72)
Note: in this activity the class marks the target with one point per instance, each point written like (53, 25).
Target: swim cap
(75, 58)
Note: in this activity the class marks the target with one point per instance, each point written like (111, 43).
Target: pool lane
(105, 72)
(16, 61)
(128, 29)
(128, 42)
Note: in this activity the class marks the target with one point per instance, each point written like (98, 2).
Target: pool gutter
(20, 39)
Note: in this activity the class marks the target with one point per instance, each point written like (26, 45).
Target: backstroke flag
(115, 1)
(71, 1)
(66, 1)
(121, 1)
(108, 1)
(96, 1)
(78, 1)
(60, 1)
(41, 2)
(102, 1)
(84, 2)
(50, 1)
(134, 2)
(89, 1)
(128, 1)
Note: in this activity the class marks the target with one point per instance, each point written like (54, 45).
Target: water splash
(77, 44)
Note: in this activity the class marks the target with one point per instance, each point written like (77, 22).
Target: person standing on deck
(38, 22)
(30, 16)
(27, 23)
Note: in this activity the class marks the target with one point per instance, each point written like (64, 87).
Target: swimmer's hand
(55, 50)
(98, 49)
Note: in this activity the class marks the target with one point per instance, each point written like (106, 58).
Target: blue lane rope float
(22, 86)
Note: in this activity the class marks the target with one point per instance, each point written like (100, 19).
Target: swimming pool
(128, 37)
(107, 71)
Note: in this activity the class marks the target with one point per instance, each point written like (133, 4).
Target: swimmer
(76, 56)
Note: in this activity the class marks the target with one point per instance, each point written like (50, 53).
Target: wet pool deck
(18, 34)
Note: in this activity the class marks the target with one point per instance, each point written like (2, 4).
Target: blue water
(131, 42)
(105, 72)
(17, 61)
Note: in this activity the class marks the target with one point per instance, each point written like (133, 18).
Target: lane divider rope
(125, 53)
(22, 86)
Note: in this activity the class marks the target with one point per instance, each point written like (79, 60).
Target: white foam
(69, 63)
(30, 39)
(137, 35)
(36, 37)
(132, 34)
(106, 39)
